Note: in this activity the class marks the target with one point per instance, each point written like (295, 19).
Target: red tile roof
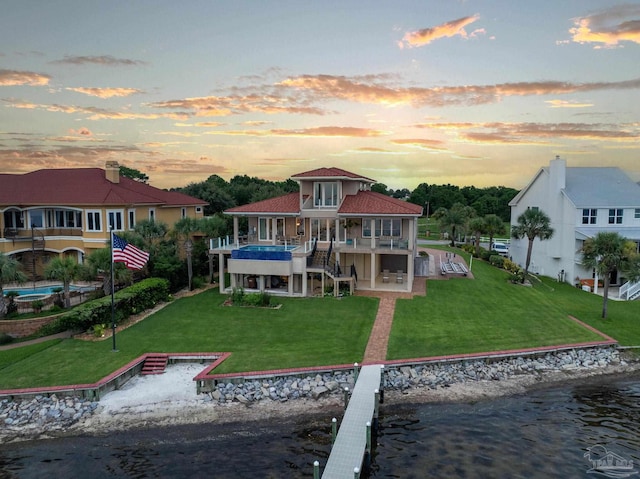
(83, 186)
(287, 204)
(366, 203)
(332, 173)
(372, 203)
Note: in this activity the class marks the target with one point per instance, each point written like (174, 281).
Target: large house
(335, 231)
(53, 212)
(580, 202)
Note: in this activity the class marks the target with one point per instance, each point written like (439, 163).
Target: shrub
(37, 305)
(5, 338)
(485, 254)
(12, 306)
(510, 266)
(240, 298)
(496, 260)
(517, 277)
(197, 282)
(237, 296)
(132, 300)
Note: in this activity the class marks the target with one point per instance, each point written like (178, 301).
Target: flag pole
(113, 307)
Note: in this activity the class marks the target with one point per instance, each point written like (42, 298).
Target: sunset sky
(469, 92)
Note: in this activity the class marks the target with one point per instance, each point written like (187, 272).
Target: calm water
(541, 434)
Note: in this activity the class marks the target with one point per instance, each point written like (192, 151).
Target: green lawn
(460, 315)
(489, 313)
(303, 332)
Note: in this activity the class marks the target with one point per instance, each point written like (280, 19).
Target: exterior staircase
(155, 364)
(630, 291)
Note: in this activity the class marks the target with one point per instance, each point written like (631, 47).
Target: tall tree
(10, 272)
(183, 231)
(493, 225)
(477, 226)
(134, 174)
(453, 219)
(607, 252)
(533, 223)
(64, 269)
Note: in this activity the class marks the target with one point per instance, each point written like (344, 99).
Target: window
(152, 214)
(36, 218)
(615, 216)
(115, 220)
(391, 227)
(263, 229)
(325, 194)
(319, 229)
(67, 219)
(94, 223)
(132, 219)
(280, 228)
(383, 227)
(636, 213)
(300, 226)
(198, 209)
(589, 216)
(183, 212)
(13, 219)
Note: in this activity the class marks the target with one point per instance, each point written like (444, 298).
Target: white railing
(629, 290)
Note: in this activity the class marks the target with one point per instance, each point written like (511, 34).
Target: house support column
(221, 272)
(374, 269)
(235, 230)
(410, 272)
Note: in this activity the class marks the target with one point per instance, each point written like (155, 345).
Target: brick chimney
(112, 171)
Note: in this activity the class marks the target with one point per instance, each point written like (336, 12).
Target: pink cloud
(444, 30)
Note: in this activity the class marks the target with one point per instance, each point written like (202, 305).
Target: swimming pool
(264, 252)
(46, 290)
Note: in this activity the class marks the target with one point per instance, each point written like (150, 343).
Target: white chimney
(558, 174)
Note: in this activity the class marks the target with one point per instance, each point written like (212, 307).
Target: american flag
(132, 257)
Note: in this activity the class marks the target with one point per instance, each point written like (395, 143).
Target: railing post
(334, 430)
(356, 473)
(355, 372)
(376, 407)
(316, 470)
(346, 397)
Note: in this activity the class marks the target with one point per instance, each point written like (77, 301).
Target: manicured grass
(303, 332)
(489, 313)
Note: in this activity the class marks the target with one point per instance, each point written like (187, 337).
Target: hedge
(128, 301)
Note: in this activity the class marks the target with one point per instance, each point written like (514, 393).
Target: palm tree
(183, 231)
(10, 272)
(477, 226)
(453, 218)
(63, 269)
(533, 223)
(493, 226)
(608, 252)
(99, 264)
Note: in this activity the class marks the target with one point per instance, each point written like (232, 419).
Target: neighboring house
(334, 230)
(580, 203)
(69, 211)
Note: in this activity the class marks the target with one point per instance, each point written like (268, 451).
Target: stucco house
(69, 211)
(580, 203)
(334, 231)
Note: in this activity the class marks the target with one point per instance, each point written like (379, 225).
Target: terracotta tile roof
(372, 203)
(331, 173)
(287, 204)
(83, 186)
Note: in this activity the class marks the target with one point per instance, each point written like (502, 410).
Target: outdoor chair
(385, 275)
(399, 277)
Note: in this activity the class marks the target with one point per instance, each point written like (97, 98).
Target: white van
(500, 248)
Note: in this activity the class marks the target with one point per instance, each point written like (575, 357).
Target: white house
(580, 203)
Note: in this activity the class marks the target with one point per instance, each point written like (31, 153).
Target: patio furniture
(385, 275)
(399, 277)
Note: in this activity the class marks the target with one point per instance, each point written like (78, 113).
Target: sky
(469, 93)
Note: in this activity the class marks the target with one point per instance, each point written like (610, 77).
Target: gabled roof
(593, 187)
(332, 173)
(606, 187)
(83, 186)
(286, 205)
(371, 203)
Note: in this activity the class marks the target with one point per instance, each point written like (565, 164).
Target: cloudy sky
(468, 92)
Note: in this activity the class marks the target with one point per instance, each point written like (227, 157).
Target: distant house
(334, 231)
(69, 211)
(580, 203)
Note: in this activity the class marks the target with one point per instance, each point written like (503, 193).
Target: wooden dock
(351, 442)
